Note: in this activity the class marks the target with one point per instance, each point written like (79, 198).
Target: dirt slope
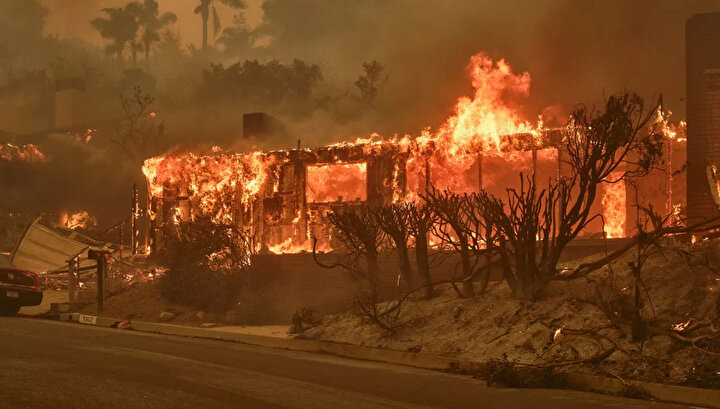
(567, 324)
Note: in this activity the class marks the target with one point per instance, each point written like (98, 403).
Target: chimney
(70, 103)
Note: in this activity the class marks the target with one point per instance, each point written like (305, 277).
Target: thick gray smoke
(575, 50)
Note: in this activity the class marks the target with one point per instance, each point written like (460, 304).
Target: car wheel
(9, 308)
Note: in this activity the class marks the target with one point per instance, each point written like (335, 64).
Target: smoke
(71, 18)
(74, 176)
(575, 50)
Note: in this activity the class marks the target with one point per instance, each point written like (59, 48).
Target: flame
(484, 123)
(486, 134)
(614, 210)
(673, 132)
(339, 182)
(289, 247)
(27, 153)
(78, 220)
(212, 183)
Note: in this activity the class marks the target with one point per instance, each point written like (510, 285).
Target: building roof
(44, 249)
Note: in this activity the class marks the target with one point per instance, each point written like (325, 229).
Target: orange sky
(71, 18)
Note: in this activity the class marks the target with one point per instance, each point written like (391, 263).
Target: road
(49, 364)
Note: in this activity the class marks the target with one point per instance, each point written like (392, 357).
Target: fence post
(72, 282)
(101, 257)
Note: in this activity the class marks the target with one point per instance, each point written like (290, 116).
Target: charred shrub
(206, 264)
(615, 302)
(508, 374)
(635, 392)
(201, 288)
(704, 373)
(303, 320)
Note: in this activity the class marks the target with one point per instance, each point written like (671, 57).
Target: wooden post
(122, 228)
(669, 186)
(100, 284)
(534, 164)
(149, 224)
(101, 258)
(72, 282)
(133, 221)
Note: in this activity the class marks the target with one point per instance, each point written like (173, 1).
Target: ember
(26, 153)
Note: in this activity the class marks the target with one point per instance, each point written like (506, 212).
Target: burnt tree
(457, 230)
(483, 231)
(361, 237)
(524, 226)
(393, 220)
(421, 219)
(535, 225)
(206, 264)
(608, 146)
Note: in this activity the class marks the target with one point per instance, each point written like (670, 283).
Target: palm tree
(120, 26)
(208, 6)
(152, 22)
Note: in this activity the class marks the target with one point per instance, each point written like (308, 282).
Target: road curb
(709, 398)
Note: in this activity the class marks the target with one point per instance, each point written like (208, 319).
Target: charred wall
(703, 110)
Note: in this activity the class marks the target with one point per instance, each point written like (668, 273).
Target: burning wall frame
(283, 220)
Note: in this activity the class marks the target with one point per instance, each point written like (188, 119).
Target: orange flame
(339, 182)
(27, 153)
(485, 138)
(614, 210)
(78, 220)
(482, 123)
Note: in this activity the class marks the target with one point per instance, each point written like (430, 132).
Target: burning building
(282, 197)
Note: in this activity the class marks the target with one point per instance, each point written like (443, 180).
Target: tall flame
(485, 135)
(484, 123)
(614, 209)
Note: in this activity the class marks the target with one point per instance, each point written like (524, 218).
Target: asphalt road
(48, 364)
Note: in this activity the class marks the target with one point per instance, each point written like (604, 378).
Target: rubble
(166, 316)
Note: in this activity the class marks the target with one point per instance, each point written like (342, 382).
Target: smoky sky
(71, 18)
(575, 50)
